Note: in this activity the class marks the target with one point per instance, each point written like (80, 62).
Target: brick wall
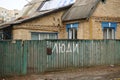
(111, 8)
(92, 29)
(118, 32)
(49, 23)
(89, 29)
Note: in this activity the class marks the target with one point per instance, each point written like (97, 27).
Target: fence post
(24, 50)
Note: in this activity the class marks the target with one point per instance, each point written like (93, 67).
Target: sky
(13, 4)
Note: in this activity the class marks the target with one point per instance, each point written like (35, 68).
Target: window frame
(109, 25)
(1, 35)
(108, 33)
(38, 33)
(73, 33)
(72, 26)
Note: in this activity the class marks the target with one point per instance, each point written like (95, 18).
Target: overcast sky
(13, 4)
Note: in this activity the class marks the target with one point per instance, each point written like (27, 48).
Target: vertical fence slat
(10, 58)
(36, 56)
(91, 53)
(21, 57)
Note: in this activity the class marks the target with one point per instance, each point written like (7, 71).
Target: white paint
(65, 48)
(61, 48)
(69, 48)
(55, 48)
(71, 25)
(75, 48)
(109, 24)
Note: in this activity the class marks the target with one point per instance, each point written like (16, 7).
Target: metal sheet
(82, 53)
(36, 56)
(11, 58)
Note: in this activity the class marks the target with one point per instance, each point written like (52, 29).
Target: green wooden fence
(34, 56)
(82, 53)
(11, 58)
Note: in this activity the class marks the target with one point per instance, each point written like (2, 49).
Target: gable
(111, 8)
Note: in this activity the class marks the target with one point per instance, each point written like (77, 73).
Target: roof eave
(38, 16)
(76, 20)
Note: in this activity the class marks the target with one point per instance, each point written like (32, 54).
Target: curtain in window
(35, 36)
(109, 29)
(42, 36)
(108, 33)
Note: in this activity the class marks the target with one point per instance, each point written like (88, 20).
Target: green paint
(24, 57)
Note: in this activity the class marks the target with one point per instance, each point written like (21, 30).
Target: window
(108, 33)
(109, 30)
(72, 30)
(54, 4)
(72, 33)
(1, 36)
(42, 36)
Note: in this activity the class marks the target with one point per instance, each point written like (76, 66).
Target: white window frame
(39, 36)
(72, 33)
(109, 34)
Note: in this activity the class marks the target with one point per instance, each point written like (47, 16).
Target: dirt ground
(94, 73)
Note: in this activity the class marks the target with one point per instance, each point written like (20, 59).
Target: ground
(93, 73)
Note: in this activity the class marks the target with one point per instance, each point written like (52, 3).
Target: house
(97, 19)
(68, 19)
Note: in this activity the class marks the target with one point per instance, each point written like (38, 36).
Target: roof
(31, 8)
(4, 25)
(82, 9)
(40, 14)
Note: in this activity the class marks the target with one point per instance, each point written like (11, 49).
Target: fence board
(24, 57)
(11, 58)
(36, 56)
(82, 53)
